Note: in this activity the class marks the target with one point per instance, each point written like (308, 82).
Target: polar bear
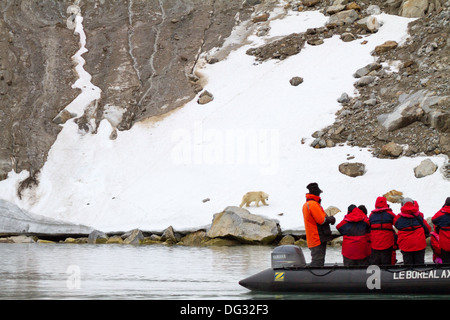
(254, 196)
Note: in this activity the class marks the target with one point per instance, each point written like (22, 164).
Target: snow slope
(247, 139)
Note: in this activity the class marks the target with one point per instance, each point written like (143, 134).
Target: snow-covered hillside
(255, 135)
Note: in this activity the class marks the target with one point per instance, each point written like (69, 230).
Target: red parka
(381, 220)
(442, 222)
(356, 231)
(411, 228)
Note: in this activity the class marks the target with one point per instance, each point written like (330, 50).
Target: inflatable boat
(290, 273)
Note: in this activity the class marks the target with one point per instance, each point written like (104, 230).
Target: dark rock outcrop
(35, 80)
(141, 54)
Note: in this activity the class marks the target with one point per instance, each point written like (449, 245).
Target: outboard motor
(288, 256)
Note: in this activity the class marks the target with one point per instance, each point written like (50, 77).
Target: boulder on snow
(14, 220)
(394, 196)
(392, 149)
(240, 224)
(205, 97)
(369, 23)
(388, 45)
(364, 71)
(295, 81)
(348, 36)
(344, 98)
(425, 168)
(343, 17)
(353, 170)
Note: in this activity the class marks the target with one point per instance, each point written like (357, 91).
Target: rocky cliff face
(142, 55)
(407, 103)
(400, 106)
(403, 98)
(35, 79)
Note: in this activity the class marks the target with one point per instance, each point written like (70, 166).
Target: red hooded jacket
(381, 220)
(356, 231)
(442, 222)
(410, 225)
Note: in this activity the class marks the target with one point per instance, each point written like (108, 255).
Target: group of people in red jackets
(372, 239)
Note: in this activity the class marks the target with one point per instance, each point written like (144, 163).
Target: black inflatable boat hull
(424, 279)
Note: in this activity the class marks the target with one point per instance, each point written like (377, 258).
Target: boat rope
(321, 275)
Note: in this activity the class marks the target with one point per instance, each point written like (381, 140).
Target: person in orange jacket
(317, 225)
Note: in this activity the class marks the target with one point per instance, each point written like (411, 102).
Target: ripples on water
(71, 271)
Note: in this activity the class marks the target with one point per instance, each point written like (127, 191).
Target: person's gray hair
(406, 200)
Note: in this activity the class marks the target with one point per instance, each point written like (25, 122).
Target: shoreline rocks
(232, 227)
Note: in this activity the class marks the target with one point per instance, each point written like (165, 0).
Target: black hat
(363, 209)
(314, 189)
(351, 208)
(447, 201)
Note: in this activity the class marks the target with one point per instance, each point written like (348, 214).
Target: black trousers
(352, 262)
(445, 255)
(381, 257)
(414, 257)
(318, 255)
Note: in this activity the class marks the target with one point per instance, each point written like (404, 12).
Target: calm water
(65, 271)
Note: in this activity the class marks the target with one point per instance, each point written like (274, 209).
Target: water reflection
(64, 271)
(50, 271)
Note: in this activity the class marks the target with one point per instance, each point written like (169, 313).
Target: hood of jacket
(355, 215)
(381, 203)
(410, 210)
(445, 209)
